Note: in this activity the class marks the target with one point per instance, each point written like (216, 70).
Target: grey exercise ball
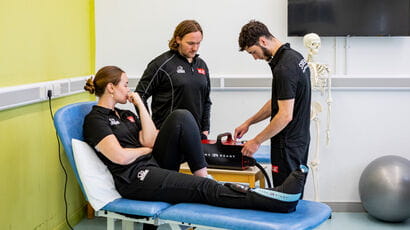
(384, 188)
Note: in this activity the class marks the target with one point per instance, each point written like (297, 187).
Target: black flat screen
(349, 17)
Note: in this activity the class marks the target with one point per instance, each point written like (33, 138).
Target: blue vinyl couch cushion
(136, 207)
(68, 122)
(308, 215)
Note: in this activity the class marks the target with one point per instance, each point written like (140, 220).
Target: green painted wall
(43, 40)
(40, 40)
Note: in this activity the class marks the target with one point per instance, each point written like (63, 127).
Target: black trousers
(286, 159)
(160, 184)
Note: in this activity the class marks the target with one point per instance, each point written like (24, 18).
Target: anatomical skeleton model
(320, 81)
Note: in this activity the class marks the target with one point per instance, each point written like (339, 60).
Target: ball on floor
(384, 188)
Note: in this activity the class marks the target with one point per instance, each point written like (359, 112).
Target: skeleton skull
(312, 42)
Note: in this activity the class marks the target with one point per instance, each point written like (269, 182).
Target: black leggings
(179, 139)
(173, 187)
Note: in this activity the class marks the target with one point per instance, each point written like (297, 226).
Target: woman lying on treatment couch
(144, 161)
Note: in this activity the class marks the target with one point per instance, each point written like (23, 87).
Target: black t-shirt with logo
(291, 80)
(174, 83)
(101, 122)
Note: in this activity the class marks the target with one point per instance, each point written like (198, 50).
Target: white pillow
(96, 179)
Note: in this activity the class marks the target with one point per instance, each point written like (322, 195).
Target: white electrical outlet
(44, 90)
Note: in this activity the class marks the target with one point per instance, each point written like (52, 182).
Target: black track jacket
(174, 83)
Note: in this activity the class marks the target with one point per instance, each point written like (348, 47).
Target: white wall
(130, 33)
(366, 123)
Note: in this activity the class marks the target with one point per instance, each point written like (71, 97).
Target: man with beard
(289, 106)
(179, 79)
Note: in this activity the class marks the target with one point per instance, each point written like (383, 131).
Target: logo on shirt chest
(131, 119)
(201, 71)
(180, 69)
(113, 122)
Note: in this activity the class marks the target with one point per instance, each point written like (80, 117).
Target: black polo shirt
(101, 122)
(291, 80)
(174, 83)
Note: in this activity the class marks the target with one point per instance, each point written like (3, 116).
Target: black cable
(61, 163)
(264, 173)
(250, 161)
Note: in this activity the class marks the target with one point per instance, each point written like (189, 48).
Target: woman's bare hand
(135, 98)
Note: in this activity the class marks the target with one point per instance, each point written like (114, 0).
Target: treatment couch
(68, 122)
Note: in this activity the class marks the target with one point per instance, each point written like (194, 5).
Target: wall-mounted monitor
(349, 17)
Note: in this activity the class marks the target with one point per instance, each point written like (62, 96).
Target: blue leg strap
(277, 195)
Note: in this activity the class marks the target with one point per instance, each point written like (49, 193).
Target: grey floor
(339, 221)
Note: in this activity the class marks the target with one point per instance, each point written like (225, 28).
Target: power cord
(250, 161)
(264, 173)
(49, 95)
